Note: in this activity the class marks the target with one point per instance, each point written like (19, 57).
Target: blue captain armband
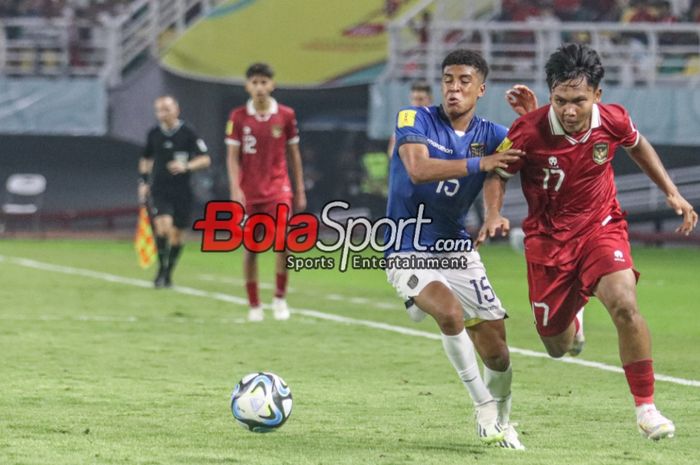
(473, 165)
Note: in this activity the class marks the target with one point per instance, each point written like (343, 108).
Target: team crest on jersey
(276, 131)
(477, 149)
(600, 152)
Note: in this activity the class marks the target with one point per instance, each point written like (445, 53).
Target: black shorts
(179, 206)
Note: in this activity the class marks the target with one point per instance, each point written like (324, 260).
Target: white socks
(499, 383)
(460, 351)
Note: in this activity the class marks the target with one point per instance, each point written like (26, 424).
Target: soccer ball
(261, 402)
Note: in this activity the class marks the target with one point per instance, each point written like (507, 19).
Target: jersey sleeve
(515, 139)
(411, 127)
(148, 149)
(233, 130)
(199, 147)
(290, 128)
(622, 127)
(497, 135)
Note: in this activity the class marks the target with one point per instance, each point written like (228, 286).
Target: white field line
(365, 302)
(28, 263)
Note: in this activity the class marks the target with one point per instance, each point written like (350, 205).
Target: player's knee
(497, 361)
(623, 310)
(556, 350)
(450, 318)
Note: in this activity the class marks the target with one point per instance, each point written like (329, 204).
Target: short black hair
(574, 61)
(259, 69)
(421, 85)
(468, 58)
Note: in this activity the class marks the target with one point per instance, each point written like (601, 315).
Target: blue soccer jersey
(447, 202)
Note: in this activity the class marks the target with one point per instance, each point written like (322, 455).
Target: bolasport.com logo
(226, 227)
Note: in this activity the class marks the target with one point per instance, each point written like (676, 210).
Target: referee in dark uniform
(172, 151)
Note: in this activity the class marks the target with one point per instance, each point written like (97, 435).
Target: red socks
(251, 288)
(640, 377)
(281, 289)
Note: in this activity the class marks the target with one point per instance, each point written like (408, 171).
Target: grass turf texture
(109, 373)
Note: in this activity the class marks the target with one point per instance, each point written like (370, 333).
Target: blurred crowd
(87, 9)
(625, 11)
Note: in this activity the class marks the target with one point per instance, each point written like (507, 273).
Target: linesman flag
(143, 241)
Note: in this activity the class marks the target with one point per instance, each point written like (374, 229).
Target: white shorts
(470, 285)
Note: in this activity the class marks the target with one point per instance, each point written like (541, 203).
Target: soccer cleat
(414, 313)
(653, 425)
(487, 427)
(579, 338)
(510, 438)
(255, 314)
(280, 309)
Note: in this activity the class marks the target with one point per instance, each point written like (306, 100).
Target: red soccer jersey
(263, 141)
(568, 180)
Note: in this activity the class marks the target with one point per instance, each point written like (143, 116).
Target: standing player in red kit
(259, 136)
(576, 242)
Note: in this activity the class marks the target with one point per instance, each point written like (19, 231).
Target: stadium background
(77, 82)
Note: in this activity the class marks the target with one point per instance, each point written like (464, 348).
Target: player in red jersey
(259, 136)
(576, 242)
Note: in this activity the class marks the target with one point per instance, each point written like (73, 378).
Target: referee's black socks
(173, 256)
(162, 246)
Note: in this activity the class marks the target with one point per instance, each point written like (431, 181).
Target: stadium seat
(24, 194)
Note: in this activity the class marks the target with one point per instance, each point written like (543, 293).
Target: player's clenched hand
(492, 224)
(682, 207)
(177, 167)
(500, 160)
(521, 99)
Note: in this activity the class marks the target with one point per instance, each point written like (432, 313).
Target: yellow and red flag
(143, 241)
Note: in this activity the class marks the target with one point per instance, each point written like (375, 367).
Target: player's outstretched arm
(297, 177)
(233, 167)
(494, 191)
(422, 169)
(521, 99)
(648, 160)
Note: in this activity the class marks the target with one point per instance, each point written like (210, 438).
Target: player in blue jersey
(439, 166)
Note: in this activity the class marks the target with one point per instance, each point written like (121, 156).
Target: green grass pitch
(102, 370)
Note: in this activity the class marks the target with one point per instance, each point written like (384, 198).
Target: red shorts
(558, 293)
(268, 207)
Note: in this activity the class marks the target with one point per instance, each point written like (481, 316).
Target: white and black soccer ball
(261, 402)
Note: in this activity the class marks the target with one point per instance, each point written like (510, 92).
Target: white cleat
(579, 338)
(510, 438)
(487, 427)
(280, 309)
(414, 313)
(255, 314)
(653, 425)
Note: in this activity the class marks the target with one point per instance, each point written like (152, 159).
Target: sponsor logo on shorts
(412, 281)
(619, 256)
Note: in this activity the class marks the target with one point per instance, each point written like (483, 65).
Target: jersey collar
(273, 110)
(557, 129)
(170, 132)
